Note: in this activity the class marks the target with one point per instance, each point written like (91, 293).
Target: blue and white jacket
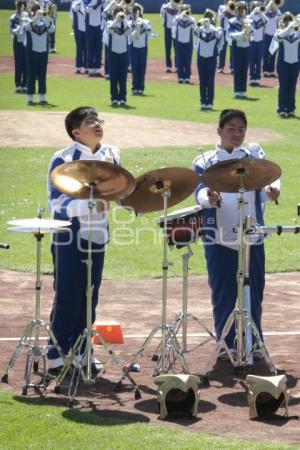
(220, 221)
(63, 207)
(209, 41)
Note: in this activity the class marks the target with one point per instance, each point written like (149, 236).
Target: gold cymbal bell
(109, 182)
(248, 173)
(147, 196)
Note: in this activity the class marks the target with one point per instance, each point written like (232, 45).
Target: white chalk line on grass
(144, 336)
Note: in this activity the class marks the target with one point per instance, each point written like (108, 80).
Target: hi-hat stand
(30, 338)
(241, 317)
(169, 341)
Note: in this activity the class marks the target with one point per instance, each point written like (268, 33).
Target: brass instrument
(120, 15)
(231, 6)
(185, 9)
(275, 4)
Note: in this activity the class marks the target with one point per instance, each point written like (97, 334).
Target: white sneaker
(224, 355)
(96, 365)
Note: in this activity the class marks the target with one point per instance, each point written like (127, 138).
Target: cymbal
(39, 223)
(248, 173)
(110, 182)
(147, 196)
(33, 230)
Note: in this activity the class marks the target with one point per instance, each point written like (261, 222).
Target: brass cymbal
(110, 182)
(248, 173)
(39, 231)
(147, 196)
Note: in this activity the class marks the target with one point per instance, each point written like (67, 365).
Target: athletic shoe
(187, 81)
(96, 365)
(30, 103)
(203, 107)
(123, 103)
(282, 114)
(180, 81)
(55, 365)
(77, 71)
(168, 70)
(114, 103)
(18, 90)
(220, 70)
(141, 92)
(209, 107)
(135, 92)
(43, 102)
(291, 114)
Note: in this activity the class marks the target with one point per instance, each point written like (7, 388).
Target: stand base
(181, 321)
(165, 358)
(242, 360)
(35, 353)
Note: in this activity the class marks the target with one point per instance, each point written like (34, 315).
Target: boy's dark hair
(229, 114)
(77, 116)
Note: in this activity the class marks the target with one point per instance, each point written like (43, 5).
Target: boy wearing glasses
(69, 250)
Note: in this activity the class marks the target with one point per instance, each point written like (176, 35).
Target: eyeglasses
(95, 121)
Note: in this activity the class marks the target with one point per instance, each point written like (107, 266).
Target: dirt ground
(223, 407)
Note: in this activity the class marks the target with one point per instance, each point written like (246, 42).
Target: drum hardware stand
(169, 341)
(32, 331)
(241, 315)
(80, 356)
(181, 317)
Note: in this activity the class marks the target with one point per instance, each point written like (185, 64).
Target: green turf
(31, 423)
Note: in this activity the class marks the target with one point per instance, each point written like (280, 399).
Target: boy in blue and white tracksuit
(93, 18)
(239, 33)
(18, 34)
(168, 12)
(224, 15)
(182, 33)
(118, 41)
(273, 15)
(37, 48)
(69, 249)
(79, 27)
(140, 32)
(209, 41)
(221, 217)
(288, 64)
(258, 22)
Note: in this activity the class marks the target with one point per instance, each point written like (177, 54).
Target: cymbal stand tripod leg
(32, 333)
(169, 340)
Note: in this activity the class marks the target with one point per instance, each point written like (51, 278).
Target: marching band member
(221, 216)
(240, 30)
(288, 64)
(273, 15)
(225, 13)
(182, 33)
(69, 250)
(259, 21)
(118, 34)
(18, 35)
(79, 27)
(168, 12)
(140, 32)
(209, 42)
(107, 16)
(93, 19)
(53, 16)
(37, 48)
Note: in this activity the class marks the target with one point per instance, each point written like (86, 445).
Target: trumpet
(120, 16)
(275, 4)
(204, 22)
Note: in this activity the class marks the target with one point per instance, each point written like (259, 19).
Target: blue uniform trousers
(222, 56)
(268, 59)
(184, 54)
(37, 70)
(240, 61)
(288, 76)
(94, 47)
(256, 56)
(106, 60)
(139, 64)
(20, 64)
(168, 46)
(68, 315)
(222, 265)
(118, 64)
(52, 37)
(80, 60)
(207, 71)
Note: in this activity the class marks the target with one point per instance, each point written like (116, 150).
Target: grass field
(30, 424)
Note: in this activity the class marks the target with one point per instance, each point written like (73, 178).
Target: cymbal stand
(31, 333)
(241, 317)
(181, 317)
(80, 357)
(169, 340)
